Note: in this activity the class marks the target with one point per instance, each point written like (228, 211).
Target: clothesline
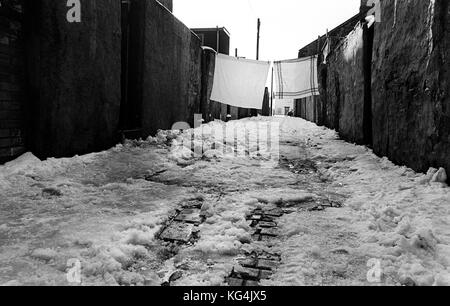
(241, 82)
(297, 78)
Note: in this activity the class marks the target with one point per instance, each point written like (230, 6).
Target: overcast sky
(287, 25)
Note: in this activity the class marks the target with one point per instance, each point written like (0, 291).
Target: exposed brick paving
(263, 221)
(258, 265)
(253, 268)
(182, 225)
(181, 228)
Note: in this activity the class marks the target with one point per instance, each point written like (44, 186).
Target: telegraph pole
(271, 96)
(257, 40)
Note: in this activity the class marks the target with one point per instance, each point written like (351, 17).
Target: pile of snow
(392, 214)
(225, 231)
(20, 165)
(434, 176)
(254, 138)
(123, 261)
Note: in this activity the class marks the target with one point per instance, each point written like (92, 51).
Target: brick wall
(345, 87)
(309, 108)
(392, 91)
(410, 83)
(167, 3)
(74, 73)
(11, 83)
(325, 110)
(165, 67)
(336, 35)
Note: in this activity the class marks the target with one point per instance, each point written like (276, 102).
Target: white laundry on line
(297, 78)
(239, 82)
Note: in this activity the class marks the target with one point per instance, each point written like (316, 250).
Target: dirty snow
(105, 209)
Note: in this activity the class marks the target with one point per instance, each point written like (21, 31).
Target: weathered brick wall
(74, 72)
(11, 83)
(168, 4)
(165, 67)
(392, 90)
(309, 108)
(335, 88)
(345, 88)
(335, 36)
(410, 83)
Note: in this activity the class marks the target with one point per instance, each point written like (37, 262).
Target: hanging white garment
(239, 82)
(297, 78)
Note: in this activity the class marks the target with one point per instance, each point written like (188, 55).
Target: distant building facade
(283, 106)
(218, 39)
(215, 38)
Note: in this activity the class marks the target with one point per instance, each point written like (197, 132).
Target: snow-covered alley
(326, 213)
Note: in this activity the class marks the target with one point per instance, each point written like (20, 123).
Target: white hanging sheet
(239, 82)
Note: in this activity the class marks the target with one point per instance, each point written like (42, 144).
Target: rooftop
(211, 30)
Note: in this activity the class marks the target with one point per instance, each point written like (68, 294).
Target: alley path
(150, 213)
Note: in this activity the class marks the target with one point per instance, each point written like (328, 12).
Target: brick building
(215, 38)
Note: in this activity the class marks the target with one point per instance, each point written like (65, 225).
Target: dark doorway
(323, 97)
(130, 109)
